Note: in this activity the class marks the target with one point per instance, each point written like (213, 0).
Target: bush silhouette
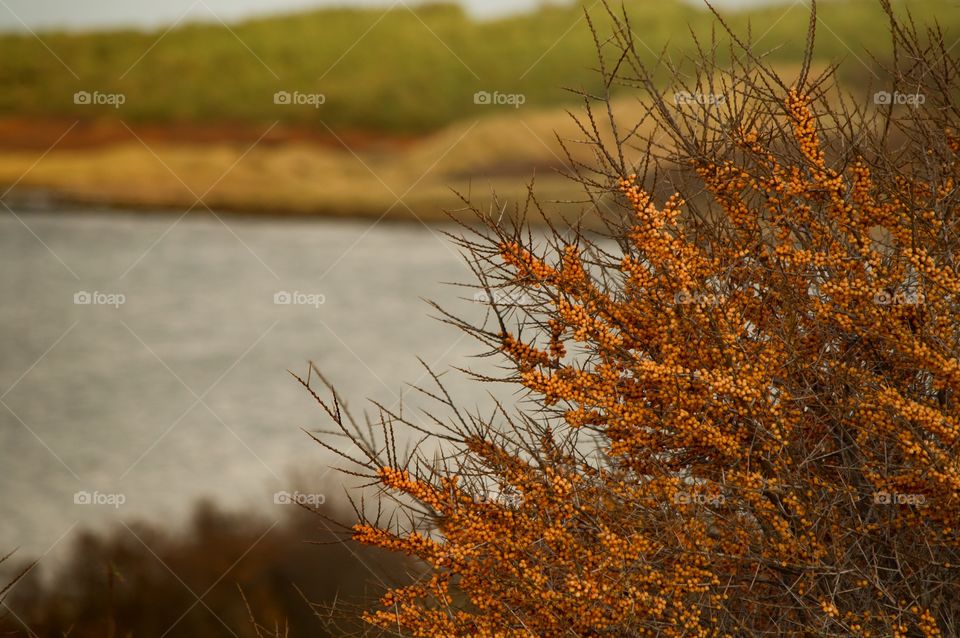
(253, 576)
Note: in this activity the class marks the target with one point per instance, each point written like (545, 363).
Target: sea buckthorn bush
(740, 411)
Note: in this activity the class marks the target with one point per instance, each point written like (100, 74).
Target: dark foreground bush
(204, 582)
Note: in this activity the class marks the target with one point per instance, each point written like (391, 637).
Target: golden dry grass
(496, 154)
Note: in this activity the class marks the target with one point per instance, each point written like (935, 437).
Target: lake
(144, 357)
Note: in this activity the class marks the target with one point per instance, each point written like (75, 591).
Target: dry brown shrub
(741, 413)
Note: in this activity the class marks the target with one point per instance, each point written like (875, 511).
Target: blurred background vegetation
(416, 71)
(399, 119)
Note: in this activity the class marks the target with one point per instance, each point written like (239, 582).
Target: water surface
(181, 391)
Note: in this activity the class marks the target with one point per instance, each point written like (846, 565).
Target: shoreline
(404, 180)
(46, 200)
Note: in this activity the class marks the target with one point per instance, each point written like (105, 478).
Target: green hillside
(402, 72)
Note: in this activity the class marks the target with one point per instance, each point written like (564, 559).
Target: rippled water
(181, 390)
